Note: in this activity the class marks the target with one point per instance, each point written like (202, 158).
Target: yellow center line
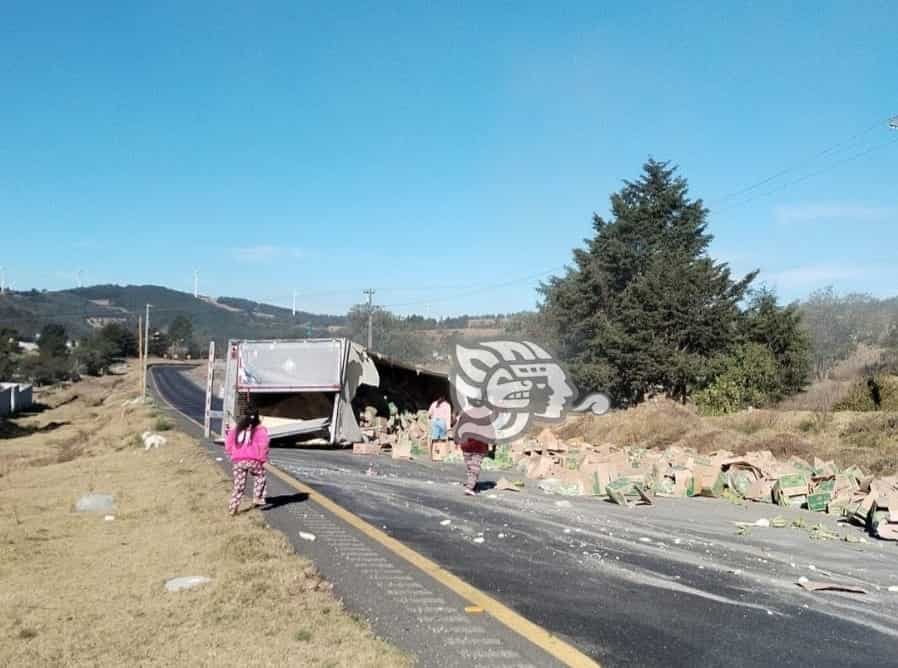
(537, 635)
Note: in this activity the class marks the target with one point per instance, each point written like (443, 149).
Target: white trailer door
(313, 365)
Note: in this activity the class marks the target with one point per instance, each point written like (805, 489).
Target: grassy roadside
(76, 590)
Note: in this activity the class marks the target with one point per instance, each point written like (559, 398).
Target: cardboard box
(543, 466)
(819, 501)
(420, 448)
(402, 448)
(619, 491)
(761, 490)
(709, 480)
(741, 475)
(548, 441)
(370, 448)
(683, 480)
(627, 493)
(791, 490)
(596, 476)
(572, 460)
(439, 450)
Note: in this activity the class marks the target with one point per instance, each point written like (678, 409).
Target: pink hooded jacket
(256, 449)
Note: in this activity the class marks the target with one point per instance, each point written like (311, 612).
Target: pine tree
(644, 309)
(781, 331)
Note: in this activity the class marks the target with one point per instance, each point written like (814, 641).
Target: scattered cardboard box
(370, 448)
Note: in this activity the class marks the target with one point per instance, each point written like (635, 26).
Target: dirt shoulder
(77, 589)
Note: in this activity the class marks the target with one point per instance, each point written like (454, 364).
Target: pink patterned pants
(241, 468)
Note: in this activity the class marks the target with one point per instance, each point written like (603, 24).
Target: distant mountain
(84, 309)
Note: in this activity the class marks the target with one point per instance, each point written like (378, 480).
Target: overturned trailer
(315, 388)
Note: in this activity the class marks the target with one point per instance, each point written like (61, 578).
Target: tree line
(58, 358)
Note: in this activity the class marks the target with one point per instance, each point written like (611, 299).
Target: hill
(84, 309)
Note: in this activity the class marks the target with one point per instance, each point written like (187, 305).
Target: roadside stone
(151, 440)
(94, 503)
(186, 582)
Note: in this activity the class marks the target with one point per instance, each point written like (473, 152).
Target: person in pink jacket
(247, 446)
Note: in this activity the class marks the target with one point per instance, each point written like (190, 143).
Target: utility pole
(146, 349)
(370, 292)
(196, 284)
(140, 347)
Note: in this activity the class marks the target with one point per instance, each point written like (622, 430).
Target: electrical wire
(830, 149)
(801, 179)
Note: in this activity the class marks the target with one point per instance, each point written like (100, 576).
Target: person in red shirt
(474, 434)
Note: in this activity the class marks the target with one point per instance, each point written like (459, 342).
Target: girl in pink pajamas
(247, 446)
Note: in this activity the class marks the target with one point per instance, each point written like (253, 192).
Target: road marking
(537, 635)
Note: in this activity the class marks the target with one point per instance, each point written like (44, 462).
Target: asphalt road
(184, 394)
(666, 585)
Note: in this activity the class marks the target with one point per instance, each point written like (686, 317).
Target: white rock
(812, 567)
(501, 535)
(446, 523)
(645, 540)
(802, 579)
(763, 522)
(92, 503)
(151, 440)
(893, 588)
(109, 518)
(478, 540)
(307, 536)
(186, 582)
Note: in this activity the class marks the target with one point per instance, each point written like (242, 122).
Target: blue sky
(446, 154)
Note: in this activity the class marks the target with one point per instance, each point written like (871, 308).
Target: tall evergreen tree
(782, 332)
(644, 308)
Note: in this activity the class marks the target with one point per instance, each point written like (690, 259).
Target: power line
(736, 193)
(805, 177)
(479, 289)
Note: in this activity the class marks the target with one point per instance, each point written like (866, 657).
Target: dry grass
(804, 425)
(81, 591)
(822, 395)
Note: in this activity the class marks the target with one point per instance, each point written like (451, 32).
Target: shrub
(860, 397)
(750, 378)
(162, 424)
